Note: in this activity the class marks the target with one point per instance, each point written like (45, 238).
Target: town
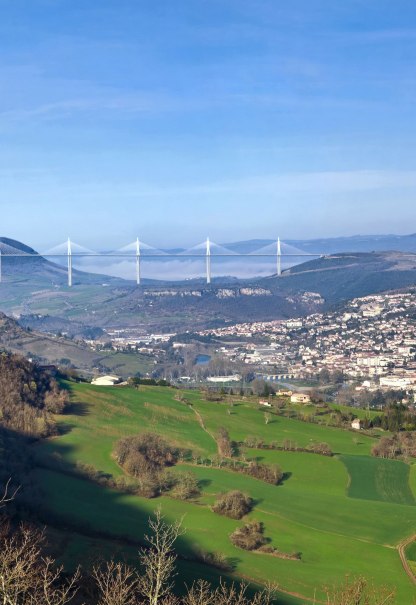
(369, 342)
(372, 340)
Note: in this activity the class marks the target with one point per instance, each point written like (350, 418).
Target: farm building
(231, 378)
(106, 381)
(300, 398)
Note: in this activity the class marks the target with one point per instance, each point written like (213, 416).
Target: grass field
(345, 514)
(411, 552)
(246, 420)
(411, 557)
(379, 479)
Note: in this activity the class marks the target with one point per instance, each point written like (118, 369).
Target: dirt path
(201, 422)
(402, 554)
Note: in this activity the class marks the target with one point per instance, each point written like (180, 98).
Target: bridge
(138, 251)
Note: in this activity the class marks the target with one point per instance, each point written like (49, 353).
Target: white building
(231, 378)
(397, 382)
(300, 398)
(106, 381)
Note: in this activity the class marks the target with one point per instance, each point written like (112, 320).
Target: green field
(379, 479)
(345, 514)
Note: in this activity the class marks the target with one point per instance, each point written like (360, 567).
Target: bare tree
(238, 595)
(201, 593)
(6, 496)
(28, 579)
(117, 584)
(357, 591)
(19, 557)
(158, 560)
(52, 590)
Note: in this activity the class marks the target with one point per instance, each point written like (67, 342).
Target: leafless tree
(357, 591)
(53, 591)
(117, 584)
(158, 560)
(201, 593)
(7, 495)
(26, 578)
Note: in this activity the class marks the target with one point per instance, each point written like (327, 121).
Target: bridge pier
(138, 265)
(208, 261)
(279, 258)
(69, 264)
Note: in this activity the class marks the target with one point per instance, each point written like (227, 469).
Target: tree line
(29, 396)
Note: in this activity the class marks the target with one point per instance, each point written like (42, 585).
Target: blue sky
(173, 120)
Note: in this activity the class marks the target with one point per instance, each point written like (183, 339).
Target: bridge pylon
(279, 258)
(138, 263)
(208, 261)
(69, 254)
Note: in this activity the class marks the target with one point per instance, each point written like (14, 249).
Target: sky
(237, 119)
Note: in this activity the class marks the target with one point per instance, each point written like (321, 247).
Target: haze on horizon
(239, 119)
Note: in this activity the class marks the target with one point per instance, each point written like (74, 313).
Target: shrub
(214, 559)
(185, 486)
(265, 472)
(145, 453)
(321, 448)
(249, 537)
(149, 486)
(233, 504)
(224, 443)
(145, 456)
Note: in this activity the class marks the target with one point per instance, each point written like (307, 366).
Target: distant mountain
(355, 243)
(344, 276)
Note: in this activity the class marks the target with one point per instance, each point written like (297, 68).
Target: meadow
(345, 514)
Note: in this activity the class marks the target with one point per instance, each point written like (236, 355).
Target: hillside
(341, 277)
(324, 508)
(29, 398)
(51, 349)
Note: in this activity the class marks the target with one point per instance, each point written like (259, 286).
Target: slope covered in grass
(312, 512)
(378, 479)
